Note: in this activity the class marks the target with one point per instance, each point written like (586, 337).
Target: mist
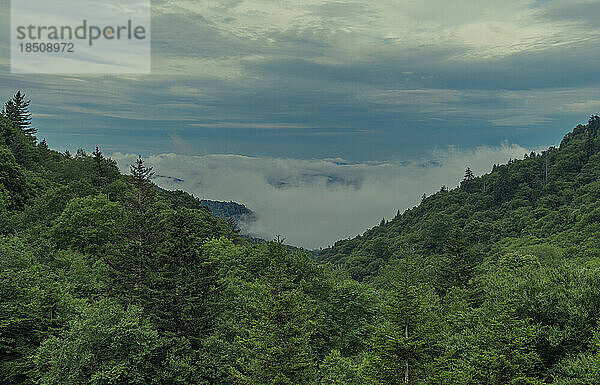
(312, 203)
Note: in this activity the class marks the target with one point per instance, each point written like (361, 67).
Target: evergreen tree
(17, 110)
(469, 176)
(456, 266)
(503, 186)
(181, 281)
(130, 266)
(468, 179)
(589, 143)
(12, 179)
(405, 341)
(278, 343)
(99, 177)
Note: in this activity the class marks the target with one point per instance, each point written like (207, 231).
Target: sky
(360, 93)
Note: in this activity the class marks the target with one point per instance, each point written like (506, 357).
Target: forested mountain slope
(106, 279)
(547, 204)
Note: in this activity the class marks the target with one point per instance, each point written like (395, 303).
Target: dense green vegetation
(106, 279)
(226, 210)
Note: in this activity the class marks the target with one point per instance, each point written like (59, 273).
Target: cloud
(324, 78)
(258, 126)
(585, 107)
(313, 203)
(520, 121)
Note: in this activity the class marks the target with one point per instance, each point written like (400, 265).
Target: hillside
(107, 279)
(226, 210)
(546, 204)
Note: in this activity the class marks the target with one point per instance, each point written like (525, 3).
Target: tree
(33, 305)
(469, 176)
(17, 110)
(234, 230)
(338, 370)
(468, 179)
(90, 225)
(503, 186)
(455, 268)
(583, 368)
(99, 172)
(405, 340)
(13, 180)
(131, 263)
(278, 343)
(107, 344)
(181, 277)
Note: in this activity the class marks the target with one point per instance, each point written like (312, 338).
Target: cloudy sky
(363, 92)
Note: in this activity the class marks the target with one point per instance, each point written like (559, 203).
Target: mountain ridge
(527, 189)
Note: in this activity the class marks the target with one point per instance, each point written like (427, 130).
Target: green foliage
(455, 268)
(13, 180)
(338, 370)
(107, 279)
(33, 307)
(278, 341)
(107, 344)
(17, 110)
(89, 225)
(406, 338)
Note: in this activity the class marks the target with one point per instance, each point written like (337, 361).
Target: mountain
(546, 204)
(107, 279)
(223, 210)
(226, 210)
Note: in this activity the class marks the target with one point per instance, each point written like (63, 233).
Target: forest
(107, 279)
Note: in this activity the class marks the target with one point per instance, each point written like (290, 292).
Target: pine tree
(98, 178)
(469, 176)
(17, 110)
(503, 187)
(456, 267)
(468, 179)
(589, 143)
(404, 342)
(278, 343)
(131, 266)
(144, 188)
(182, 281)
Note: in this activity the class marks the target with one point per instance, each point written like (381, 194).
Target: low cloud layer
(313, 203)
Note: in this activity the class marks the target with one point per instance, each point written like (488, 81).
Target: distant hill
(226, 210)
